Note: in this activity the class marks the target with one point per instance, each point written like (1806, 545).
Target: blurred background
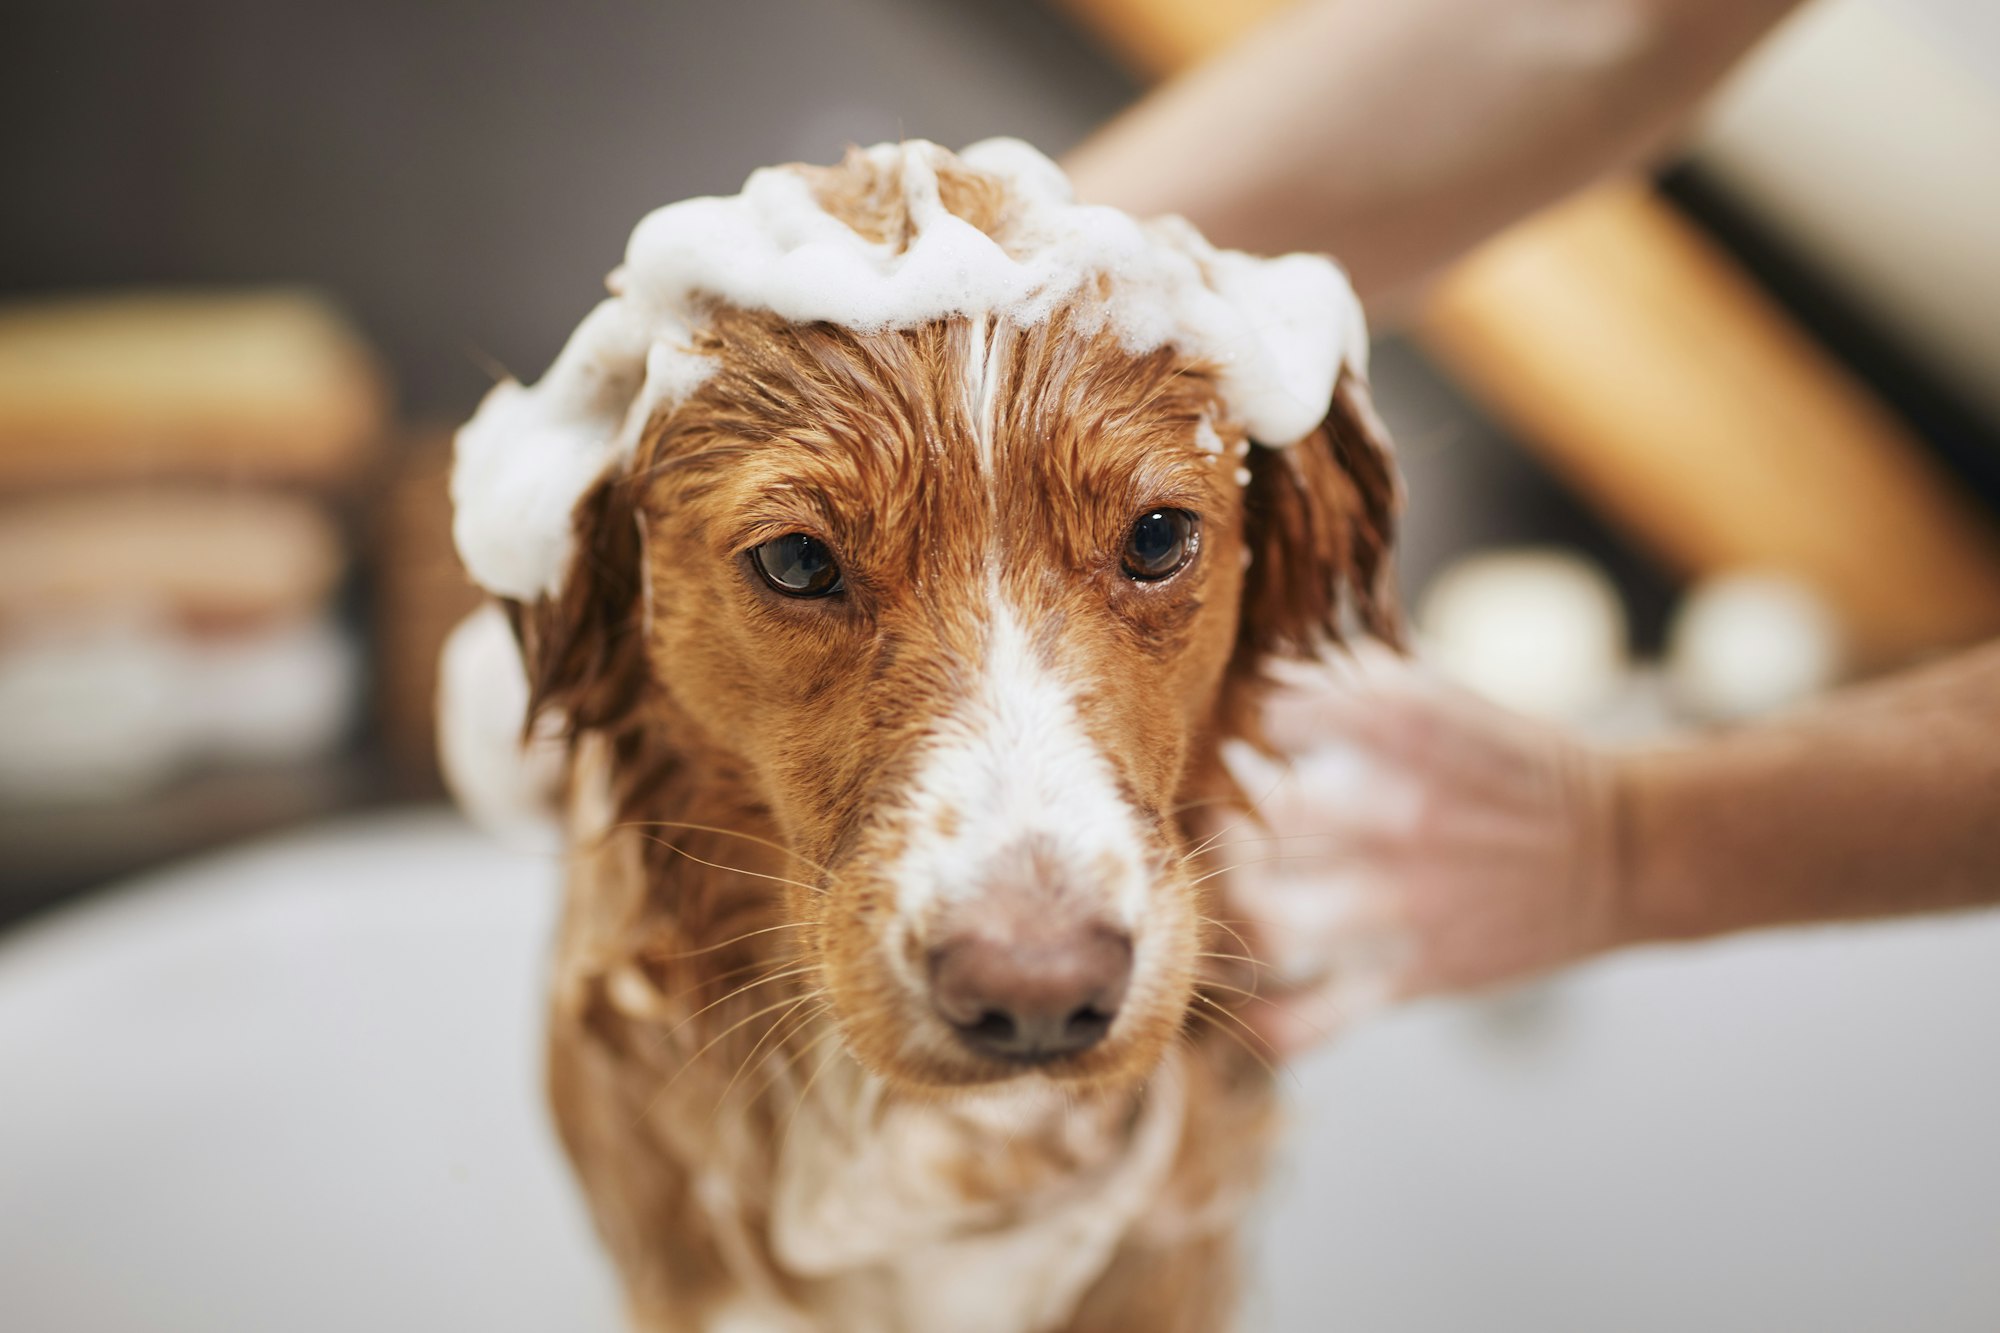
(1681, 451)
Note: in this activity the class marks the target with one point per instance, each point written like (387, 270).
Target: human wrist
(1659, 890)
(1596, 782)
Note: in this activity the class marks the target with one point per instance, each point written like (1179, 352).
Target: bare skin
(1423, 841)
(1398, 133)
(1881, 801)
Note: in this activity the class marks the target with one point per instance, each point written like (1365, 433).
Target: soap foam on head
(1277, 331)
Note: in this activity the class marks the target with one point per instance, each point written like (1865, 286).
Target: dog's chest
(988, 1216)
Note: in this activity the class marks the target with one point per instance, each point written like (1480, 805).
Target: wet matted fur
(773, 1130)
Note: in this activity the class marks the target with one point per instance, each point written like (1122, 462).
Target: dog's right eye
(1160, 544)
(797, 565)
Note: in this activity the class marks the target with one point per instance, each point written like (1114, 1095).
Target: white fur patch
(865, 1192)
(1014, 763)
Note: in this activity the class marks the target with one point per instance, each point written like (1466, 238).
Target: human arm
(1879, 801)
(1398, 133)
(1454, 846)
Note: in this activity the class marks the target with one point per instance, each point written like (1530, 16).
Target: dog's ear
(584, 648)
(1321, 526)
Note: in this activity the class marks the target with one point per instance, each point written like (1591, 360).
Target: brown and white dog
(891, 666)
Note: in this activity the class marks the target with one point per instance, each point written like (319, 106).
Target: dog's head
(965, 602)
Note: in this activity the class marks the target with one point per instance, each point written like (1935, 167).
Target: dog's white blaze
(986, 349)
(1014, 763)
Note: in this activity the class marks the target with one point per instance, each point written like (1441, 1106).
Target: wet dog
(890, 648)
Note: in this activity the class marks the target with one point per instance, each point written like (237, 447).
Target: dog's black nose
(1033, 997)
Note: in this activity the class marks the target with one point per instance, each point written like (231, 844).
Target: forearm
(1397, 133)
(1882, 801)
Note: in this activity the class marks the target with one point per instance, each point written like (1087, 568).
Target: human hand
(1410, 839)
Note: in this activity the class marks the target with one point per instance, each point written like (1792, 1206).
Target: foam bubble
(505, 783)
(1278, 331)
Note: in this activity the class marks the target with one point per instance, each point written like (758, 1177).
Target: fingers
(1304, 886)
(1386, 704)
(1294, 1021)
(1402, 719)
(1335, 800)
(1336, 698)
(1334, 947)
(1306, 928)
(1409, 838)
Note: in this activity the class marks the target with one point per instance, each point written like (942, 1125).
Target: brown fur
(739, 758)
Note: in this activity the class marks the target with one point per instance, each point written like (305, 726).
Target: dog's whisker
(1219, 985)
(1234, 990)
(785, 1134)
(734, 939)
(1232, 1035)
(1272, 1064)
(1229, 931)
(733, 833)
(751, 1058)
(1254, 807)
(1318, 1031)
(799, 1025)
(735, 870)
(1257, 840)
(706, 982)
(1240, 865)
(740, 990)
(1231, 1015)
(1237, 958)
(646, 1111)
(659, 1040)
(1265, 922)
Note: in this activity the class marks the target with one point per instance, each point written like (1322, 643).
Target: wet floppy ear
(1321, 526)
(583, 648)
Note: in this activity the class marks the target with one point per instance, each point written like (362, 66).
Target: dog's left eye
(797, 565)
(1160, 543)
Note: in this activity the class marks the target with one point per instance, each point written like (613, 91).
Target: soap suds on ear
(504, 781)
(1278, 331)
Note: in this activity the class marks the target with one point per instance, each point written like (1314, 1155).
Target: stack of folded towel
(175, 472)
